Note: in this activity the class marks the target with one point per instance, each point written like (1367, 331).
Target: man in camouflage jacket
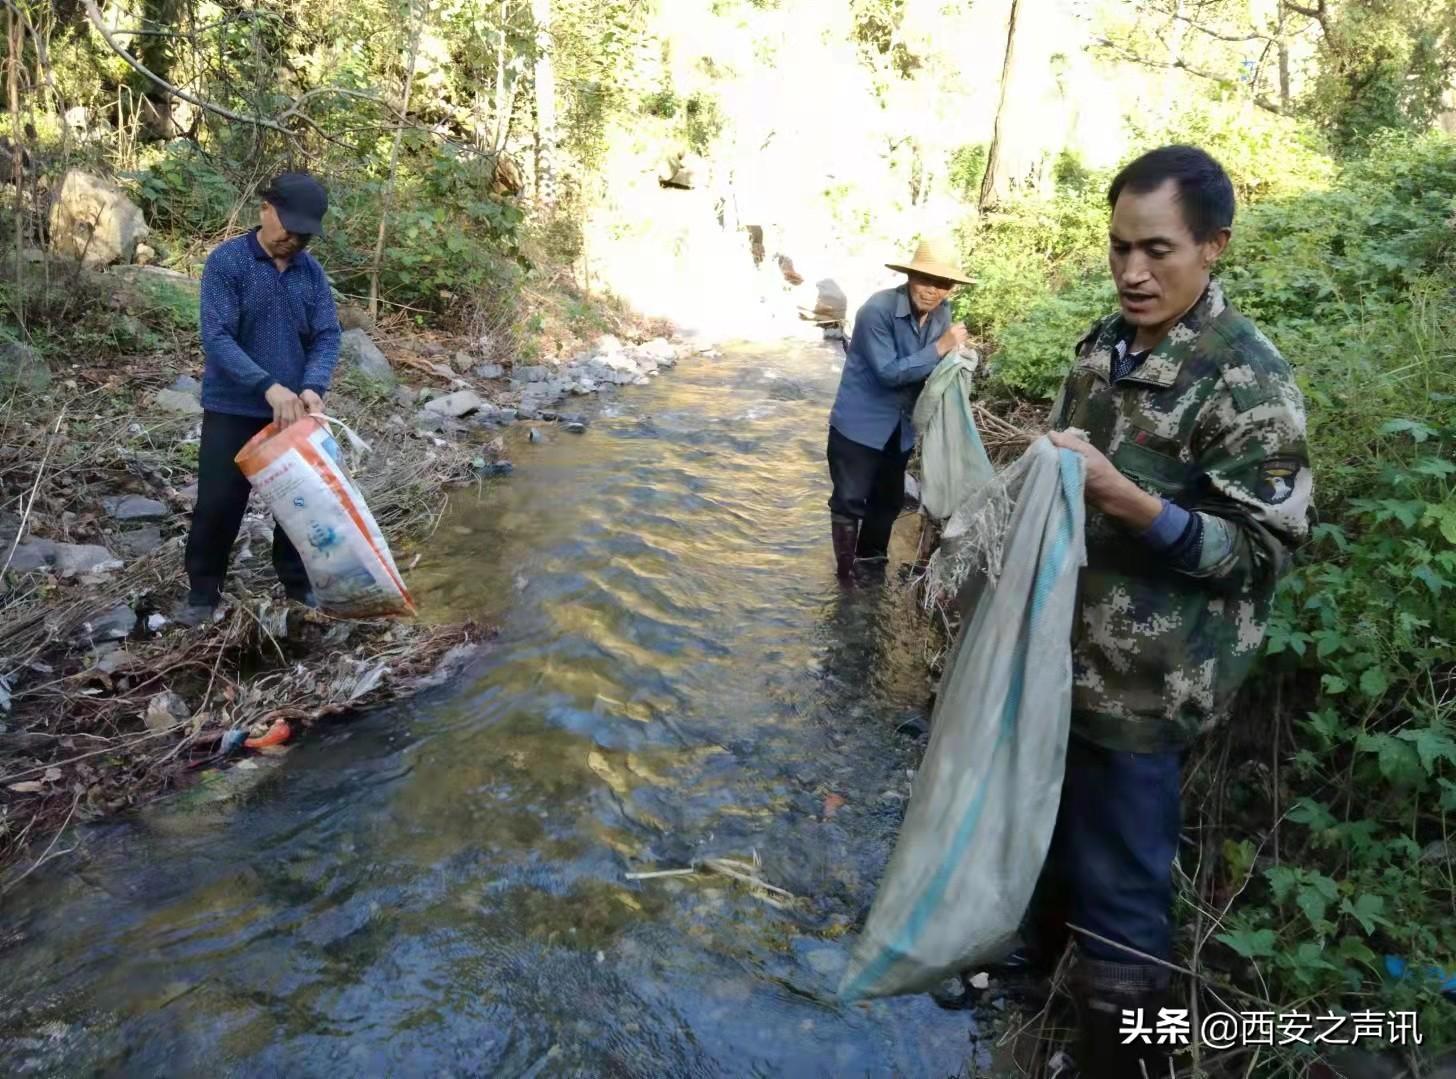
(1198, 487)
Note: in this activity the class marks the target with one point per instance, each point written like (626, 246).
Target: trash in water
(277, 734)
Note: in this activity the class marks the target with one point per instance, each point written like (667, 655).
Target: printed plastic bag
(985, 799)
(299, 473)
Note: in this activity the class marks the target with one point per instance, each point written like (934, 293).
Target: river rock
(188, 495)
(489, 371)
(357, 350)
(112, 625)
(535, 373)
(177, 402)
(507, 416)
(455, 405)
(71, 559)
(133, 508)
(22, 367)
(187, 384)
(661, 350)
(139, 541)
(32, 556)
(462, 361)
(606, 345)
(576, 427)
(92, 220)
(583, 387)
(405, 395)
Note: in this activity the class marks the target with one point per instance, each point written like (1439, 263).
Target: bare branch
(1182, 65)
(94, 14)
(190, 34)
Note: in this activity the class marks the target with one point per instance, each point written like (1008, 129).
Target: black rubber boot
(846, 536)
(1110, 1046)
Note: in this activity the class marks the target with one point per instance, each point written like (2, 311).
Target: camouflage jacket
(1211, 420)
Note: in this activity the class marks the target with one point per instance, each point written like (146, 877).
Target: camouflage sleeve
(1056, 418)
(1255, 483)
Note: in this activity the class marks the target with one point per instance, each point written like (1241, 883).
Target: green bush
(1020, 253)
(449, 237)
(183, 192)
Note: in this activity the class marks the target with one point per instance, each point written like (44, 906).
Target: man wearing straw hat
(900, 335)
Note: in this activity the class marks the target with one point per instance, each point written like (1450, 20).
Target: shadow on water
(440, 888)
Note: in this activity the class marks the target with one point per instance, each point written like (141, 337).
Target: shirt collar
(255, 247)
(1160, 367)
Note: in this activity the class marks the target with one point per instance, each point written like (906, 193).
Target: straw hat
(933, 258)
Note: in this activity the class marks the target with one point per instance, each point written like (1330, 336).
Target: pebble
(133, 508)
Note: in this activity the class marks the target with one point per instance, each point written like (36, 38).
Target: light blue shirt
(890, 357)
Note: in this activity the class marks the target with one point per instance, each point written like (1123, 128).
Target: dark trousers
(222, 499)
(1110, 866)
(869, 487)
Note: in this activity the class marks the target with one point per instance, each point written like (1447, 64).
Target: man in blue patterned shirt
(270, 334)
(899, 337)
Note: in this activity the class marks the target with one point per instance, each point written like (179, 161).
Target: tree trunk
(994, 185)
(409, 82)
(14, 54)
(545, 103)
(501, 109)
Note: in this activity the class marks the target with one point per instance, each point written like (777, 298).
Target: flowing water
(441, 888)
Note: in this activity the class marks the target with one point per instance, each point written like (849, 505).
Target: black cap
(300, 202)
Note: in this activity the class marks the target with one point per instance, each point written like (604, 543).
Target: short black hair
(1204, 188)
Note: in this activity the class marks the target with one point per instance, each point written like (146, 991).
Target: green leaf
(1434, 466)
(1399, 762)
(1333, 684)
(1250, 943)
(1374, 682)
(1356, 951)
(1310, 957)
(1444, 517)
(1281, 880)
(1415, 428)
(1432, 744)
(1314, 905)
(1313, 814)
(1367, 910)
(1431, 579)
(1448, 795)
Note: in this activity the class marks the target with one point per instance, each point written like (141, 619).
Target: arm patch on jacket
(1276, 479)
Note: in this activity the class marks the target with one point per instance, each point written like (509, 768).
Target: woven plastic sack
(953, 462)
(984, 801)
(299, 473)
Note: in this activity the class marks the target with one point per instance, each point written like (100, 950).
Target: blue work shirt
(261, 326)
(890, 357)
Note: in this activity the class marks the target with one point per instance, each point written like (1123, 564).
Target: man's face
(277, 240)
(927, 293)
(1159, 269)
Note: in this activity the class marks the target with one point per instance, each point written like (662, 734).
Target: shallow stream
(440, 888)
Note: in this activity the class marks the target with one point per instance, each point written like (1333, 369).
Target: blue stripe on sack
(1047, 572)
